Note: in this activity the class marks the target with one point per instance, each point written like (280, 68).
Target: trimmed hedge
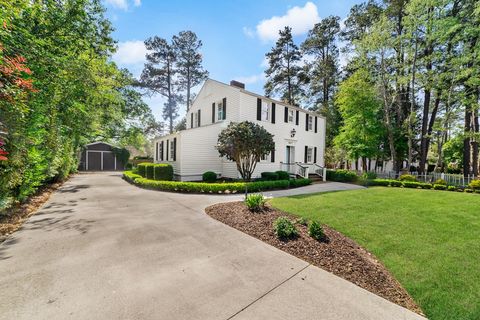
(203, 187)
(141, 168)
(341, 175)
(149, 174)
(283, 175)
(209, 176)
(270, 176)
(439, 187)
(163, 171)
(407, 177)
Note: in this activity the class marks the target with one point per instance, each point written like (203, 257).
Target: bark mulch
(13, 218)
(336, 254)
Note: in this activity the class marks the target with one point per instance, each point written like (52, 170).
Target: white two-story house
(299, 135)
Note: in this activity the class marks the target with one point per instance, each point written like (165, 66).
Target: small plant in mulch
(302, 221)
(255, 202)
(315, 230)
(284, 228)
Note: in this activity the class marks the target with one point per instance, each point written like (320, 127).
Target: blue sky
(235, 34)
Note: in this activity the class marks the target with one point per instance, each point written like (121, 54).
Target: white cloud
(251, 79)
(122, 4)
(300, 19)
(130, 53)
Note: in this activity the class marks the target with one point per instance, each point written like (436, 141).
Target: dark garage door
(108, 161)
(94, 161)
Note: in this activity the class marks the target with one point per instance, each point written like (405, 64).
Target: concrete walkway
(101, 248)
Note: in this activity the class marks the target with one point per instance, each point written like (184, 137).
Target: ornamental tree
(245, 143)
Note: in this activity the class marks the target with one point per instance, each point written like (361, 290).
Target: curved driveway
(101, 248)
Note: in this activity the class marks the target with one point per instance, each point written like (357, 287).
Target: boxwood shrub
(452, 188)
(162, 171)
(204, 187)
(149, 174)
(407, 177)
(283, 175)
(474, 184)
(269, 176)
(439, 187)
(341, 175)
(412, 184)
(209, 176)
(141, 169)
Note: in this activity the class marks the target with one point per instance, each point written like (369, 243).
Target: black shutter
(306, 121)
(161, 150)
(315, 155)
(191, 120)
(224, 108)
(286, 114)
(199, 121)
(166, 156)
(259, 109)
(297, 116)
(156, 151)
(273, 113)
(316, 124)
(272, 154)
(213, 112)
(174, 151)
(306, 150)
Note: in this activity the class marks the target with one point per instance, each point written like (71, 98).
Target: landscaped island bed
(429, 240)
(337, 254)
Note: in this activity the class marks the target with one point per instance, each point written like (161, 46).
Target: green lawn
(429, 240)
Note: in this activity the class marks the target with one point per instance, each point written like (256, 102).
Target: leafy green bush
(380, 182)
(396, 183)
(439, 187)
(341, 175)
(303, 221)
(283, 175)
(269, 176)
(452, 188)
(468, 190)
(407, 177)
(474, 184)
(255, 202)
(142, 168)
(369, 175)
(284, 228)
(315, 230)
(131, 176)
(426, 185)
(149, 173)
(129, 166)
(295, 183)
(440, 181)
(209, 176)
(162, 171)
(412, 184)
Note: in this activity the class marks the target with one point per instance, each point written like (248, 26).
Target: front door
(290, 155)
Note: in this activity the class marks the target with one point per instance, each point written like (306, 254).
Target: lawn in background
(429, 240)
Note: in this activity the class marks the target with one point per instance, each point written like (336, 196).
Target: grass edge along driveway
(429, 240)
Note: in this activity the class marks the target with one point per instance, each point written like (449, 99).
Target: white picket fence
(451, 179)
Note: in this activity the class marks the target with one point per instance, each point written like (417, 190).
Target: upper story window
(290, 115)
(172, 150)
(265, 111)
(220, 111)
(265, 157)
(195, 119)
(310, 122)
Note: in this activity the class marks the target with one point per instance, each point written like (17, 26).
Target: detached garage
(99, 156)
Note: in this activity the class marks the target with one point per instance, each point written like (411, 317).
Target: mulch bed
(337, 253)
(13, 218)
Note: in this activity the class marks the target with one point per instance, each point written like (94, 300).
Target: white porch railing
(304, 169)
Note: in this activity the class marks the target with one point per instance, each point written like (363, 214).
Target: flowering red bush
(3, 153)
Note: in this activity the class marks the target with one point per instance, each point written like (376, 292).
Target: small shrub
(295, 183)
(283, 175)
(209, 176)
(407, 177)
(129, 166)
(255, 202)
(162, 171)
(396, 183)
(468, 190)
(426, 185)
(131, 176)
(142, 169)
(440, 181)
(412, 184)
(369, 175)
(315, 230)
(303, 221)
(474, 184)
(149, 172)
(439, 187)
(452, 188)
(343, 175)
(269, 176)
(284, 228)
(380, 182)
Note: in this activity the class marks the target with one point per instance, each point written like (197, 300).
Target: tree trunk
(426, 110)
(466, 141)
(475, 144)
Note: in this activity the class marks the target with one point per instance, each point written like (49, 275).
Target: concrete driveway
(101, 248)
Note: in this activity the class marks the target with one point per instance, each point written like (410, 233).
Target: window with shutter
(285, 115)
(172, 150)
(315, 155)
(213, 112)
(272, 154)
(156, 151)
(175, 149)
(306, 121)
(191, 120)
(224, 101)
(161, 151)
(297, 117)
(259, 109)
(273, 112)
(166, 155)
(265, 111)
(290, 116)
(199, 121)
(316, 124)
